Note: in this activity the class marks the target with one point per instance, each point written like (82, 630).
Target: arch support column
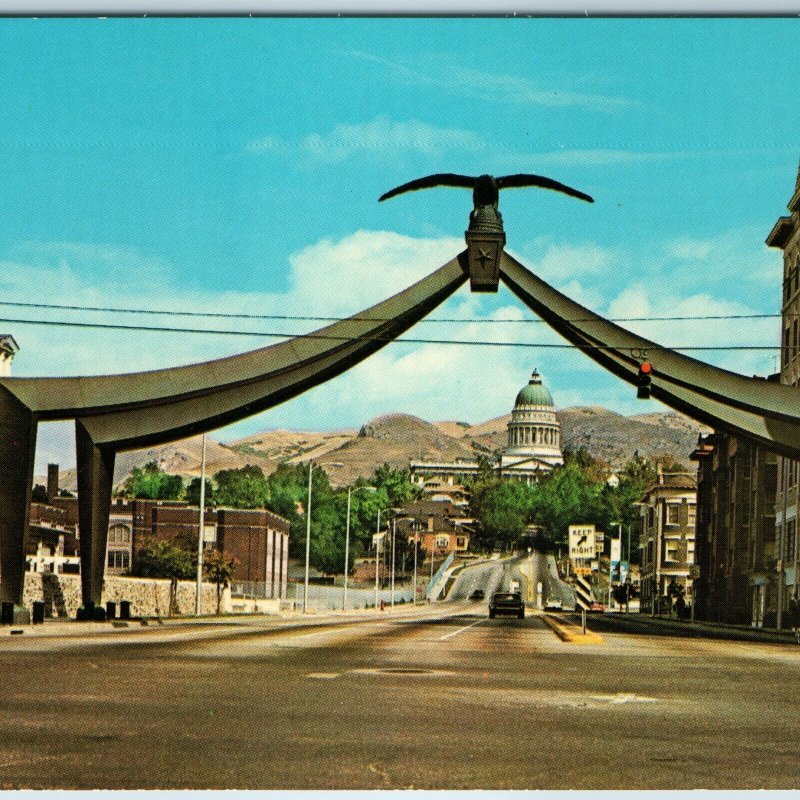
(17, 452)
(95, 481)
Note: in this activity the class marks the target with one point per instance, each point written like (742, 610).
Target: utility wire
(300, 318)
(388, 339)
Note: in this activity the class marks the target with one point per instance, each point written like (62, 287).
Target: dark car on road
(477, 595)
(507, 603)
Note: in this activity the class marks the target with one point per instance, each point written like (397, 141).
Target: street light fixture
(347, 538)
(308, 526)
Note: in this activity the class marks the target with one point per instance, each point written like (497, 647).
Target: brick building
(736, 533)
(440, 526)
(667, 539)
(258, 538)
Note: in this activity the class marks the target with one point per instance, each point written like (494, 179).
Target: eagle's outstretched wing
(443, 179)
(520, 181)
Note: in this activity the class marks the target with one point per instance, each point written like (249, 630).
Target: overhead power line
(387, 339)
(303, 318)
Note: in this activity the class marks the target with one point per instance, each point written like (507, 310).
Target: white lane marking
(460, 630)
(323, 675)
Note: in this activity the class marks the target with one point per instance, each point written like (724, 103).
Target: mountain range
(397, 439)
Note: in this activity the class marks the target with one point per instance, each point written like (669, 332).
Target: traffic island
(568, 632)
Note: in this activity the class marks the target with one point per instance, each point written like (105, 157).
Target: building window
(442, 541)
(673, 514)
(672, 551)
(119, 534)
(791, 538)
(119, 559)
(692, 519)
(785, 348)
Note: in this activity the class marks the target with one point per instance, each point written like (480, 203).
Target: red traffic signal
(643, 380)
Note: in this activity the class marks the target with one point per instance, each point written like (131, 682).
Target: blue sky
(234, 165)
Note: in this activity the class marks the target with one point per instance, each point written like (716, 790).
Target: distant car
(597, 607)
(507, 603)
(477, 595)
(553, 605)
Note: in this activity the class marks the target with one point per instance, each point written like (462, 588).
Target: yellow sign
(583, 570)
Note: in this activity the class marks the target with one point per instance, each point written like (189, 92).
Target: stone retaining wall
(149, 597)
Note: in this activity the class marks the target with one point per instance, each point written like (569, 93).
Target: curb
(568, 632)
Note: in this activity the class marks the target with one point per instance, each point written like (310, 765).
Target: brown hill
(397, 439)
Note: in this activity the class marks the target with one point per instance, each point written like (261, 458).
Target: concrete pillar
(17, 452)
(95, 481)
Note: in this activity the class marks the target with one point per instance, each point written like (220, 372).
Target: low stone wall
(149, 597)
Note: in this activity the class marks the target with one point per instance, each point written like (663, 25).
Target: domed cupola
(534, 394)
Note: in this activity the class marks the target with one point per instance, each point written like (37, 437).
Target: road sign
(584, 596)
(582, 570)
(581, 541)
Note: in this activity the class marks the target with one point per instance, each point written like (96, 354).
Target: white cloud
(643, 301)
(498, 87)
(558, 261)
(690, 249)
(378, 138)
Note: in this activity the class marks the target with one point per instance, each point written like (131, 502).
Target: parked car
(507, 603)
(595, 606)
(477, 595)
(553, 605)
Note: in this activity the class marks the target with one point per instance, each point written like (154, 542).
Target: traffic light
(643, 380)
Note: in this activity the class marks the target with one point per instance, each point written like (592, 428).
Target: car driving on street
(507, 603)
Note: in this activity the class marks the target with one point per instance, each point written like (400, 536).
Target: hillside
(397, 439)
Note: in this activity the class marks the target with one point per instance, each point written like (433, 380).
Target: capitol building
(534, 442)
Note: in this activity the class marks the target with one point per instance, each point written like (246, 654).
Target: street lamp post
(394, 535)
(308, 538)
(377, 555)
(308, 528)
(414, 584)
(201, 542)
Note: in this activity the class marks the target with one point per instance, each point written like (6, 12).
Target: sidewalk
(68, 628)
(712, 630)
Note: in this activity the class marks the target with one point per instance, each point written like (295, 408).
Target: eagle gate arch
(114, 413)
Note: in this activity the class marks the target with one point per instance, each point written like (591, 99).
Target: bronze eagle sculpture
(485, 188)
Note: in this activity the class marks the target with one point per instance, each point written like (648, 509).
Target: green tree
(288, 496)
(638, 475)
(165, 559)
(150, 481)
(396, 484)
(39, 494)
(504, 509)
(245, 487)
(193, 493)
(567, 496)
(219, 567)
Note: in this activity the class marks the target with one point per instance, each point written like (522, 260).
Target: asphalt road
(446, 700)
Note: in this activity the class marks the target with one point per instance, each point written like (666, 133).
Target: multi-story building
(667, 539)
(735, 538)
(439, 526)
(785, 236)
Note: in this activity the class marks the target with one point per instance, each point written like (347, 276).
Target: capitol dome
(534, 394)
(534, 433)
